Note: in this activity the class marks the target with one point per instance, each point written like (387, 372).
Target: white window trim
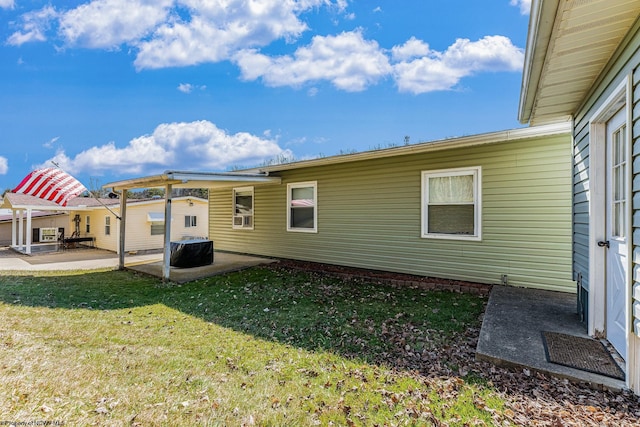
(314, 185)
(191, 221)
(156, 224)
(107, 224)
(233, 208)
(596, 322)
(476, 171)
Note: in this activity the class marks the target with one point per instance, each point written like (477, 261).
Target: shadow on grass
(405, 329)
(372, 322)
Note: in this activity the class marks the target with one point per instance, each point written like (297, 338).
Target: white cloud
(109, 23)
(188, 87)
(185, 87)
(377, 9)
(198, 145)
(7, 4)
(169, 33)
(525, 5)
(349, 61)
(51, 142)
(490, 53)
(215, 32)
(412, 48)
(352, 63)
(443, 70)
(34, 26)
(4, 165)
(166, 33)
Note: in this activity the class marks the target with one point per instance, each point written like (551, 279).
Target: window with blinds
(451, 203)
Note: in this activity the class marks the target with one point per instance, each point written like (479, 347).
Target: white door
(616, 227)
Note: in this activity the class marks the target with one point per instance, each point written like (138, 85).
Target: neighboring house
(583, 66)
(145, 223)
(492, 208)
(87, 217)
(40, 220)
(23, 232)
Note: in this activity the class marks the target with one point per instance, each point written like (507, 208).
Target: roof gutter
(541, 24)
(464, 141)
(185, 179)
(136, 182)
(182, 176)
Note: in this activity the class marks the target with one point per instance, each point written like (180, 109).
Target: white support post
(166, 267)
(21, 230)
(122, 231)
(13, 228)
(29, 231)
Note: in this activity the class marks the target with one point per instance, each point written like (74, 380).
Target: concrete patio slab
(223, 263)
(512, 327)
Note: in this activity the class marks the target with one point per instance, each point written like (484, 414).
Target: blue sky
(113, 89)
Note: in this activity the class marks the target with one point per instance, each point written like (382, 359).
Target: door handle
(603, 244)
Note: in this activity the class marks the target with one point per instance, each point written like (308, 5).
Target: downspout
(166, 268)
(21, 229)
(123, 221)
(577, 276)
(14, 223)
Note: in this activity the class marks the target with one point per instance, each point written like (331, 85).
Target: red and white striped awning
(51, 184)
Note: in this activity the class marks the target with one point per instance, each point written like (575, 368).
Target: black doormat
(581, 353)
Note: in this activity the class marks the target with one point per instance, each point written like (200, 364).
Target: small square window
(190, 221)
(157, 229)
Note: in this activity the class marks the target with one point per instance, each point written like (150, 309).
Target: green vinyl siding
(369, 216)
(580, 196)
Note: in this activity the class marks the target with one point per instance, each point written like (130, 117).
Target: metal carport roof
(179, 179)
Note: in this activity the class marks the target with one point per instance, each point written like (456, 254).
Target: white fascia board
(134, 202)
(50, 208)
(541, 24)
(444, 144)
(185, 179)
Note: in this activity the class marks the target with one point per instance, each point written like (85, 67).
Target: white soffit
(584, 36)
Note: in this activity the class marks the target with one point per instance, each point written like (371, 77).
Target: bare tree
(96, 189)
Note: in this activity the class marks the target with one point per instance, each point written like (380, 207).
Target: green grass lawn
(259, 347)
